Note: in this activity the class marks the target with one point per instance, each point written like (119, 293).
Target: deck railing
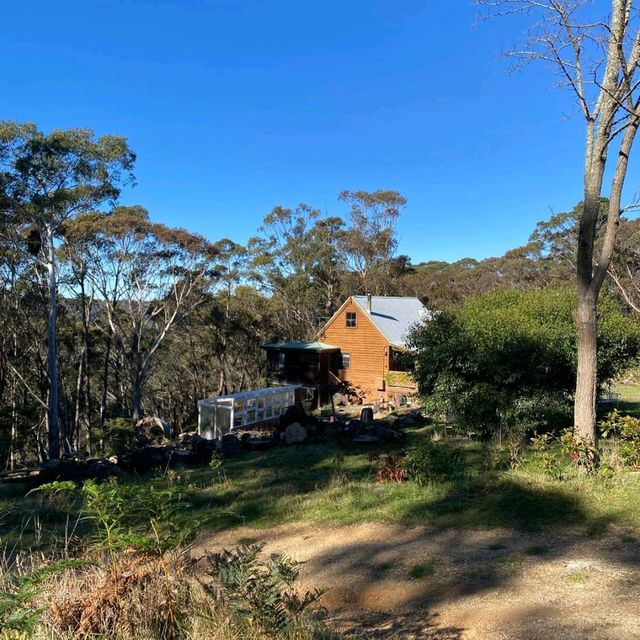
(400, 379)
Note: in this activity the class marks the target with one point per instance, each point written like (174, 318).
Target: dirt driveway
(392, 582)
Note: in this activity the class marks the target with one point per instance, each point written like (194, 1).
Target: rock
(230, 446)
(353, 427)
(259, 444)
(293, 414)
(75, 470)
(383, 432)
(51, 465)
(294, 433)
(366, 415)
(584, 565)
(154, 428)
(366, 438)
(393, 422)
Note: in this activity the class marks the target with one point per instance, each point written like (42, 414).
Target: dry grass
(142, 598)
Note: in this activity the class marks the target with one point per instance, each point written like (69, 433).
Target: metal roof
(300, 346)
(394, 315)
(253, 393)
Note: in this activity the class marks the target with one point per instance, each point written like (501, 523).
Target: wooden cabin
(363, 343)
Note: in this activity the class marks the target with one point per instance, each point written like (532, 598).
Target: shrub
(119, 436)
(627, 430)
(389, 468)
(507, 360)
(260, 594)
(433, 462)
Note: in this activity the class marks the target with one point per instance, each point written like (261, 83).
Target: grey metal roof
(300, 346)
(394, 315)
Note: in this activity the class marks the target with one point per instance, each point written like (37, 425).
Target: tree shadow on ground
(489, 533)
(394, 626)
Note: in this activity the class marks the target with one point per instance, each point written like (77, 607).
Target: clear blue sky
(234, 106)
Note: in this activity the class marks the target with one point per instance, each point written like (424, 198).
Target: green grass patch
(628, 400)
(577, 576)
(422, 571)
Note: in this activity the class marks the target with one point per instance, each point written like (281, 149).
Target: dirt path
(392, 582)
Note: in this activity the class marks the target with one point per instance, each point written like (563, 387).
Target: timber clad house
(364, 344)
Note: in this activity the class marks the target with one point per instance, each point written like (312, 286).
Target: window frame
(353, 319)
(342, 360)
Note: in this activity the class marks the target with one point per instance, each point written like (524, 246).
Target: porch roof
(303, 345)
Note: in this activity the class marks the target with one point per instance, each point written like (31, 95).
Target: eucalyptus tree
(597, 58)
(46, 179)
(147, 277)
(296, 259)
(370, 241)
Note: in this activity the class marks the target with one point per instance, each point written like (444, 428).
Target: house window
(345, 360)
(351, 319)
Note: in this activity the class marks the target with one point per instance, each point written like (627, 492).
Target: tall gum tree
(147, 277)
(596, 58)
(47, 179)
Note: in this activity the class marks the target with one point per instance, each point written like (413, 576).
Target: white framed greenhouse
(220, 415)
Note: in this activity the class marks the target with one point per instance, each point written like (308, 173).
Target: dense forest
(107, 315)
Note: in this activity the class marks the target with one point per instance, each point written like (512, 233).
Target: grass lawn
(323, 484)
(629, 398)
(335, 482)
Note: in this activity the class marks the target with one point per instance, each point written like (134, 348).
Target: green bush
(507, 360)
(433, 462)
(119, 436)
(627, 430)
(259, 594)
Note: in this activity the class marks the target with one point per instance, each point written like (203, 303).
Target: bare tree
(597, 59)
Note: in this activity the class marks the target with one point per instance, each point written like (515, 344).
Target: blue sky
(235, 106)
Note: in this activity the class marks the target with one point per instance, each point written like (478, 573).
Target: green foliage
(120, 435)
(507, 360)
(627, 430)
(545, 454)
(583, 455)
(553, 452)
(399, 378)
(140, 517)
(433, 462)
(259, 593)
(216, 462)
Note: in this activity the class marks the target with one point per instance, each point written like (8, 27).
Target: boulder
(259, 444)
(383, 432)
(229, 446)
(154, 428)
(293, 414)
(294, 433)
(366, 438)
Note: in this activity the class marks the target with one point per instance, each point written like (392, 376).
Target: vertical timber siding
(367, 347)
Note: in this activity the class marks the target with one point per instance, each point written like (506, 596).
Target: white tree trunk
(54, 426)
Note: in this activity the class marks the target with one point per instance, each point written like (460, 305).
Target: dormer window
(351, 319)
